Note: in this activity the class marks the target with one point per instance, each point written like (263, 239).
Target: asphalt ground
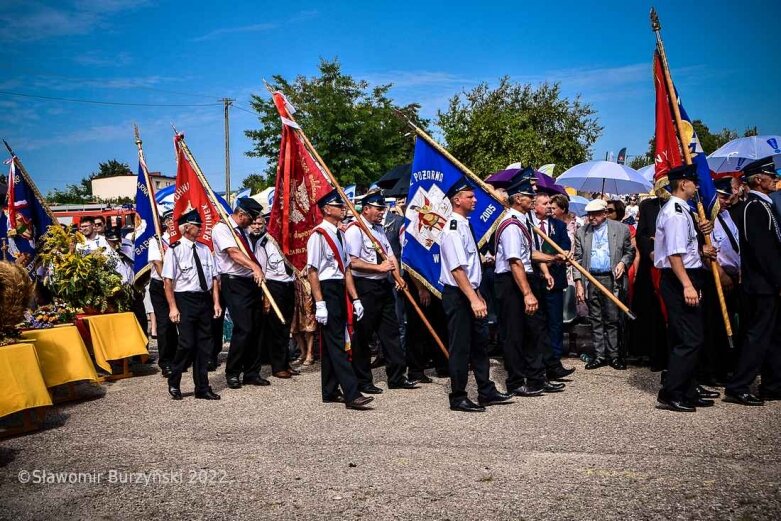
(600, 450)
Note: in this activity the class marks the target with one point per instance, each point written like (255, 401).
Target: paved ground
(598, 451)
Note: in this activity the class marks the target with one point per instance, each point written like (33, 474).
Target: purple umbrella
(545, 183)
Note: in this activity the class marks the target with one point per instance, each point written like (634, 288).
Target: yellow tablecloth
(114, 337)
(63, 355)
(21, 382)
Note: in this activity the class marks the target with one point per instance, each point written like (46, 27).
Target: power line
(97, 102)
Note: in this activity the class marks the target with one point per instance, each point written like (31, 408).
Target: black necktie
(199, 268)
(727, 231)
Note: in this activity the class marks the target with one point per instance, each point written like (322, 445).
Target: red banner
(667, 150)
(300, 183)
(191, 194)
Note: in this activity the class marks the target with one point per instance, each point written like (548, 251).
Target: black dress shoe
(618, 364)
(596, 363)
(175, 392)
(707, 393)
(371, 389)
(552, 387)
(496, 399)
(233, 382)
(421, 379)
(255, 380)
(337, 398)
(527, 391)
(742, 399)
(360, 404)
(466, 405)
(559, 373)
(701, 402)
(207, 395)
(674, 405)
(404, 384)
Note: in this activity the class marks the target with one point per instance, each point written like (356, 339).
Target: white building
(117, 186)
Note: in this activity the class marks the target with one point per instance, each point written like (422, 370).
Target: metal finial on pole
(655, 25)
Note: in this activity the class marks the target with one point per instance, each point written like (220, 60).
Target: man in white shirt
(465, 308)
(374, 285)
(93, 240)
(193, 299)
(240, 278)
(167, 337)
(332, 284)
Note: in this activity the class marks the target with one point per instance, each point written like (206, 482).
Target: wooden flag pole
(482, 184)
(359, 221)
(656, 27)
(29, 181)
(149, 191)
(224, 217)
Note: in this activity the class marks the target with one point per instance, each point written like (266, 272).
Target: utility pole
(227, 102)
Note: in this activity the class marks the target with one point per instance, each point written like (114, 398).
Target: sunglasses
(611, 210)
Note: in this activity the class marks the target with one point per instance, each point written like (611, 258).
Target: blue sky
(724, 58)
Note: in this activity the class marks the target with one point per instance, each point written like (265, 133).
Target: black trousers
(685, 336)
(379, 314)
(420, 346)
(717, 360)
(468, 338)
(523, 334)
(549, 358)
(195, 337)
(761, 350)
(217, 331)
(243, 299)
(167, 337)
(335, 367)
(276, 335)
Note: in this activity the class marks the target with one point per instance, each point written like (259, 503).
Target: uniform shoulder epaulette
(678, 208)
(174, 244)
(263, 241)
(453, 224)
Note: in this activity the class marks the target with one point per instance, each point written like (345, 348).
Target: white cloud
(302, 16)
(100, 59)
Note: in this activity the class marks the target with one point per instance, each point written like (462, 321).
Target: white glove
(321, 314)
(358, 309)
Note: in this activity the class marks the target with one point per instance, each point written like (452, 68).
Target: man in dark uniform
(518, 293)
(167, 337)
(332, 284)
(279, 279)
(677, 255)
(374, 285)
(760, 250)
(240, 277)
(465, 308)
(189, 275)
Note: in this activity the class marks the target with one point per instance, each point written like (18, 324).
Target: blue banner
(145, 228)
(28, 218)
(428, 211)
(707, 190)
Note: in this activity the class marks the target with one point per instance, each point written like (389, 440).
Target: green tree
(751, 131)
(256, 182)
(488, 129)
(351, 125)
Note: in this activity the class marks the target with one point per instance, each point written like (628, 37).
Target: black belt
(194, 293)
(601, 273)
(234, 277)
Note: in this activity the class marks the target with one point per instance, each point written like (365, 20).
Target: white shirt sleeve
(222, 238)
(353, 239)
(153, 253)
(314, 251)
(452, 250)
(170, 266)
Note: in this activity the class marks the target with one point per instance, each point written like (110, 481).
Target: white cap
(597, 205)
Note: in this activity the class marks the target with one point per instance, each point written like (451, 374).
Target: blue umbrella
(577, 205)
(648, 172)
(604, 177)
(753, 147)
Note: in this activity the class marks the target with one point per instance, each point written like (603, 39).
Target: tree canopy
(351, 124)
(487, 129)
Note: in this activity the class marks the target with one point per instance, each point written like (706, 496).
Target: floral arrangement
(84, 281)
(48, 316)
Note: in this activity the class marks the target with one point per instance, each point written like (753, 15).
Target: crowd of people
(516, 290)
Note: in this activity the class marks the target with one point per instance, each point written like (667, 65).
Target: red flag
(300, 183)
(191, 194)
(667, 151)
